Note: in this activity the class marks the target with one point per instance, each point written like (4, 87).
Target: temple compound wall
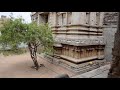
(79, 40)
(109, 30)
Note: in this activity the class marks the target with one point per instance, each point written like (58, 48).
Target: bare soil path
(19, 66)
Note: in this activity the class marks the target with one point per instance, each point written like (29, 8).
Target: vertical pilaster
(82, 18)
(75, 17)
(101, 18)
(92, 18)
(79, 18)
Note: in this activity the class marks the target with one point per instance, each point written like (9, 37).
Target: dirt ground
(19, 66)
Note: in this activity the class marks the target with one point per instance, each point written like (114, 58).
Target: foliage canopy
(15, 31)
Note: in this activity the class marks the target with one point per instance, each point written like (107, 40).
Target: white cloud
(25, 15)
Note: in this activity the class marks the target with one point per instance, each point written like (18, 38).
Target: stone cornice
(72, 25)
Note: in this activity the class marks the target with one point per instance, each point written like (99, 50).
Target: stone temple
(79, 41)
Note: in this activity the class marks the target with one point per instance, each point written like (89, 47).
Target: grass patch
(13, 52)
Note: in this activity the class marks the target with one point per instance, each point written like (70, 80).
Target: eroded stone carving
(110, 18)
(95, 41)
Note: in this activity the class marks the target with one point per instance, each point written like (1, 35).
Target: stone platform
(73, 67)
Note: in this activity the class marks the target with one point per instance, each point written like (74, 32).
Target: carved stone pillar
(82, 53)
(67, 50)
(100, 50)
(64, 50)
(76, 53)
(87, 52)
(73, 50)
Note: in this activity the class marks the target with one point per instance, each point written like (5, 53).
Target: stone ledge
(77, 60)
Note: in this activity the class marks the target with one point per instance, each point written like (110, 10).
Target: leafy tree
(15, 31)
(38, 36)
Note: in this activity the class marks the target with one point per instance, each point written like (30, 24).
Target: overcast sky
(25, 15)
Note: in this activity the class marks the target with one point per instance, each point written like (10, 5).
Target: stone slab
(95, 72)
(102, 75)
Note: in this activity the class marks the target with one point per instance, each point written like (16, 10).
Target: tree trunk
(114, 71)
(33, 50)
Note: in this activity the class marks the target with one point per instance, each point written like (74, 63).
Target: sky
(25, 15)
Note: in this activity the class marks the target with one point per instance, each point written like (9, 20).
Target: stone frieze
(81, 42)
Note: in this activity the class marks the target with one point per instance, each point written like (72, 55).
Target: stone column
(53, 18)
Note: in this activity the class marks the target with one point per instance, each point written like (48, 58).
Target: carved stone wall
(110, 18)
